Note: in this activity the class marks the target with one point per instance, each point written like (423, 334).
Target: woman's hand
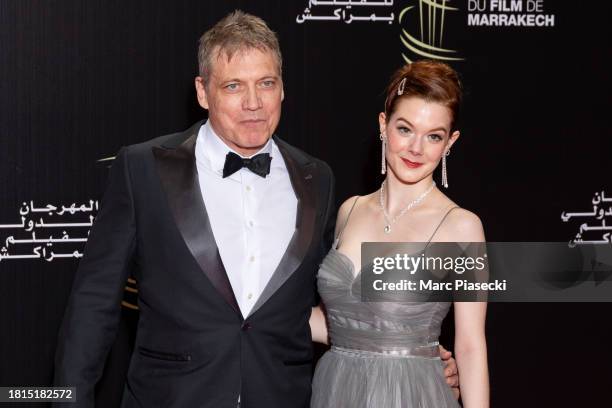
(318, 325)
(450, 371)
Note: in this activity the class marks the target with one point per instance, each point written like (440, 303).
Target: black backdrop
(79, 79)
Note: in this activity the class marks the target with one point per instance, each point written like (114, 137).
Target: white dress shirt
(252, 217)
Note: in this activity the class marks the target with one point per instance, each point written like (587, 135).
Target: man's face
(243, 98)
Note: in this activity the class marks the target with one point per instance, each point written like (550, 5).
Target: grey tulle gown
(383, 354)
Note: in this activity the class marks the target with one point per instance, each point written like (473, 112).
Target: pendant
(387, 229)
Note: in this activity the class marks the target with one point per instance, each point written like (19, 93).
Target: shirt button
(248, 188)
(252, 259)
(250, 296)
(250, 223)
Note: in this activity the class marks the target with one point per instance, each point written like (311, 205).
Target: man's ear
(201, 92)
(283, 94)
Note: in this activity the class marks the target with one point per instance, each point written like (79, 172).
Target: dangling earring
(383, 162)
(444, 173)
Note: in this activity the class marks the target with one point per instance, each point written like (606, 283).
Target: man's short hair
(236, 32)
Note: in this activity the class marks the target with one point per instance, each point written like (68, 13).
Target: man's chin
(256, 139)
(253, 145)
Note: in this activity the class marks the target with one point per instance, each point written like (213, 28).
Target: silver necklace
(390, 221)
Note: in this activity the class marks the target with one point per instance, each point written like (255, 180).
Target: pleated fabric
(384, 354)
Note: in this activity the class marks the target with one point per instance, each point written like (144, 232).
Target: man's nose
(252, 100)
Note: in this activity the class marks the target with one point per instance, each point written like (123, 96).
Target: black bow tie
(258, 164)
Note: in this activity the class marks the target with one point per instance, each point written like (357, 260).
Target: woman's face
(418, 134)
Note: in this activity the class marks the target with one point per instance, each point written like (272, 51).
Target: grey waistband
(428, 351)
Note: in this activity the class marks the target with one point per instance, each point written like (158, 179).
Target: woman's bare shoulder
(343, 211)
(462, 225)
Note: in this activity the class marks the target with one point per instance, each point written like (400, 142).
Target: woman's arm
(318, 326)
(471, 353)
(470, 341)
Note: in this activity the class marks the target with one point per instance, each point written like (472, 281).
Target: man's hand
(450, 370)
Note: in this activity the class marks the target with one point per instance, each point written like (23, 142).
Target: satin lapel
(301, 173)
(179, 177)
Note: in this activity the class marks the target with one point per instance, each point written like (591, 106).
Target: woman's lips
(411, 164)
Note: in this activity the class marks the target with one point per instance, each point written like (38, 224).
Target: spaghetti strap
(337, 241)
(440, 223)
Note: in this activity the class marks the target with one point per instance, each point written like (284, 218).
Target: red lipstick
(411, 164)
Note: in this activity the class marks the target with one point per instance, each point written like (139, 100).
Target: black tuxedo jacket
(193, 347)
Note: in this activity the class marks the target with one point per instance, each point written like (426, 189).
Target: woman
(373, 362)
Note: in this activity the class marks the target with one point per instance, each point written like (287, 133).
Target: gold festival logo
(430, 19)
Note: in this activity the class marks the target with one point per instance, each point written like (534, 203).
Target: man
(227, 226)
